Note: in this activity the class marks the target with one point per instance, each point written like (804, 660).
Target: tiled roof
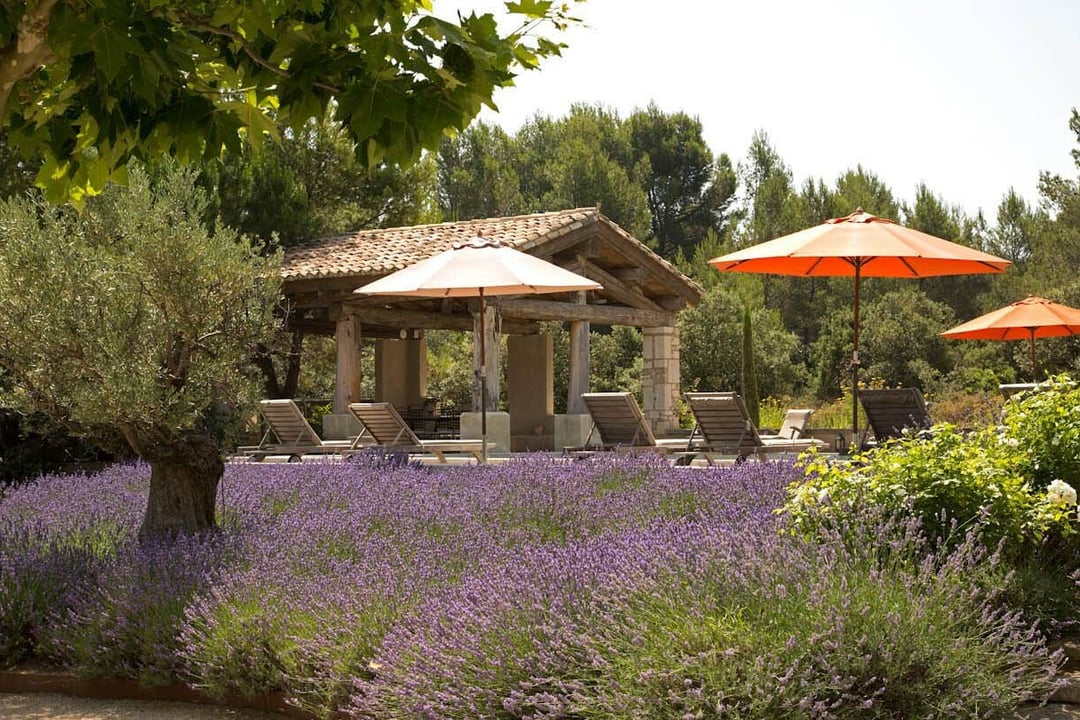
(380, 252)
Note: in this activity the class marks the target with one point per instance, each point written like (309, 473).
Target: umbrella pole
(1034, 367)
(855, 366)
(483, 385)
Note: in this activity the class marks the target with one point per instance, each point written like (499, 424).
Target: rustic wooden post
(491, 361)
(347, 382)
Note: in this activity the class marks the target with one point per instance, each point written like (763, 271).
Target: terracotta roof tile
(380, 252)
(368, 253)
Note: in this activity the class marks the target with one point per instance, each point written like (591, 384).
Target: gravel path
(50, 706)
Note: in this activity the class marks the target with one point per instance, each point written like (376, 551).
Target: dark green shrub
(944, 480)
(1012, 486)
(1045, 425)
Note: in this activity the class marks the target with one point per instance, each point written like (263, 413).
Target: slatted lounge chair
(294, 436)
(619, 424)
(1010, 389)
(725, 428)
(388, 429)
(891, 411)
(793, 425)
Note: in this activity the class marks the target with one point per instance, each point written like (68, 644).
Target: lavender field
(608, 588)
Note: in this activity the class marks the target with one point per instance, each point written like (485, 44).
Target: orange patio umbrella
(1027, 319)
(860, 245)
(478, 268)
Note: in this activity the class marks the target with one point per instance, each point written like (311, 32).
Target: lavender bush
(37, 574)
(612, 587)
(714, 618)
(126, 624)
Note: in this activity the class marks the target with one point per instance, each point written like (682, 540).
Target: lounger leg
(440, 456)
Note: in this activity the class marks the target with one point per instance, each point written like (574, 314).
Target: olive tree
(132, 322)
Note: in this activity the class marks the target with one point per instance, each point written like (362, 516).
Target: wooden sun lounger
(892, 411)
(294, 436)
(620, 425)
(726, 429)
(794, 424)
(389, 430)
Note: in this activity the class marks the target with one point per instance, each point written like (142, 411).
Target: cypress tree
(749, 373)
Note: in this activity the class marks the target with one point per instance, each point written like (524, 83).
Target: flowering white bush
(1061, 493)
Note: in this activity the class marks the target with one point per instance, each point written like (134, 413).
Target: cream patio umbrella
(479, 268)
(860, 245)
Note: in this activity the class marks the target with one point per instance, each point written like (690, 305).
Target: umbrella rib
(914, 272)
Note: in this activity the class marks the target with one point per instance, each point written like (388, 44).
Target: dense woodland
(653, 174)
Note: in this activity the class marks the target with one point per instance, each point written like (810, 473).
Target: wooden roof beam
(574, 244)
(599, 314)
(318, 299)
(422, 320)
(630, 275)
(326, 328)
(616, 288)
(673, 303)
(638, 257)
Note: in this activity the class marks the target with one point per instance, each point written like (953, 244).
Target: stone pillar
(340, 424)
(578, 382)
(531, 374)
(660, 378)
(401, 371)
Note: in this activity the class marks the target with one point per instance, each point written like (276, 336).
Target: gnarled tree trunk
(184, 477)
(22, 58)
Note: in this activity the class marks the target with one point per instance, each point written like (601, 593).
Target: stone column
(572, 429)
(401, 371)
(578, 382)
(531, 396)
(660, 378)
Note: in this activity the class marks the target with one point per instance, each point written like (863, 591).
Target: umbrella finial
(479, 241)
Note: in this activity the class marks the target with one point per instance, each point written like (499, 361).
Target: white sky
(970, 96)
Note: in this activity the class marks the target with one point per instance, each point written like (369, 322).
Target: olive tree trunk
(184, 477)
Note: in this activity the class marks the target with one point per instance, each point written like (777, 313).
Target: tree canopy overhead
(86, 86)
